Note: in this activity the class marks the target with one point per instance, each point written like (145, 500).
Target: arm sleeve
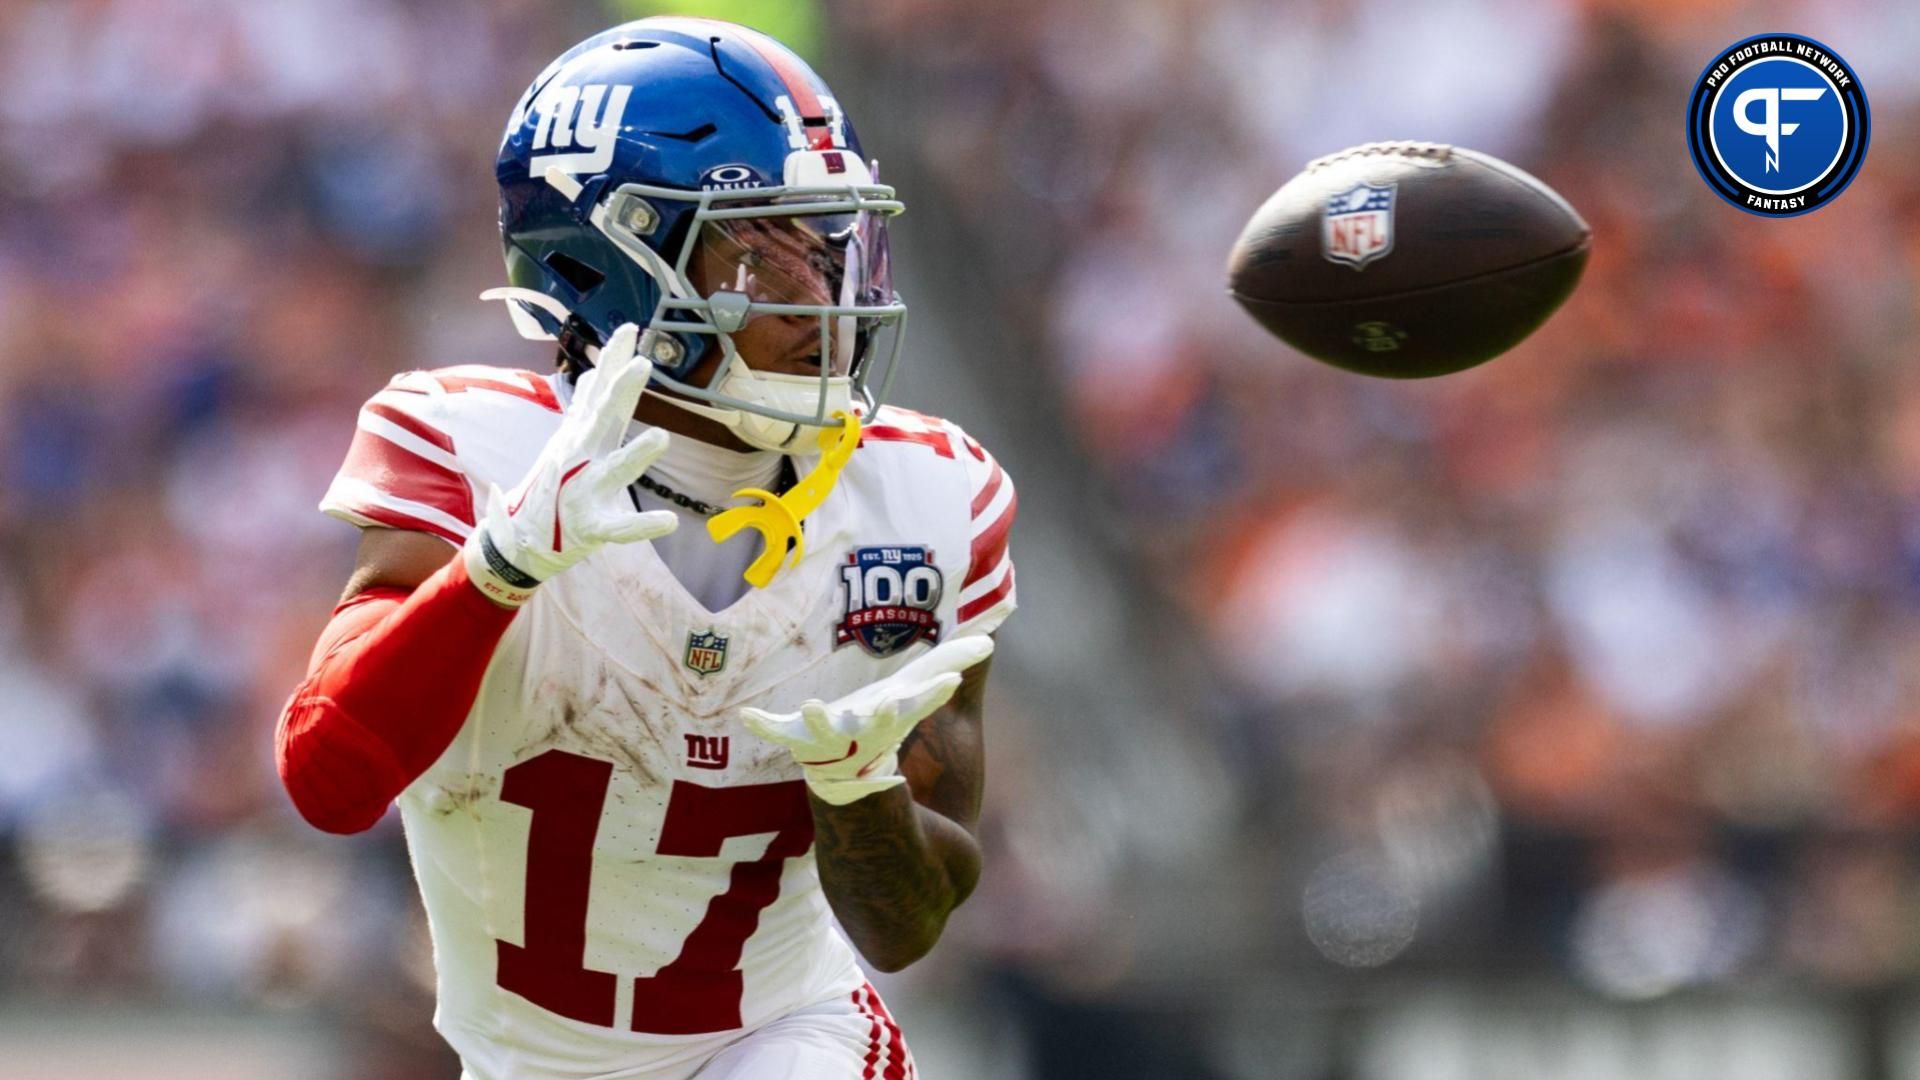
(390, 684)
(987, 592)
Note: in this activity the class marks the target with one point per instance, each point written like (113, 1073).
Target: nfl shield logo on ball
(706, 652)
(1357, 226)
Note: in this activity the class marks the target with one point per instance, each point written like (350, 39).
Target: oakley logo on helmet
(587, 117)
(731, 178)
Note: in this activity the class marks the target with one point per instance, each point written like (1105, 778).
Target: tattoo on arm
(894, 865)
(943, 757)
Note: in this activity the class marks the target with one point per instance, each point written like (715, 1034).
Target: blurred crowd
(227, 223)
(1602, 656)
(1594, 660)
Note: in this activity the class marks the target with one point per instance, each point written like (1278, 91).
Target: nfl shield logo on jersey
(891, 596)
(1357, 226)
(706, 652)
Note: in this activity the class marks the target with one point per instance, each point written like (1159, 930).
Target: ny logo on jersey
(707, 751)
(706, 652)
(574, 116)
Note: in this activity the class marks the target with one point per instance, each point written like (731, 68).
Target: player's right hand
(574, 499)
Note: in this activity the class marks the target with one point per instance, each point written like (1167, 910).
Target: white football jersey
(616, 871)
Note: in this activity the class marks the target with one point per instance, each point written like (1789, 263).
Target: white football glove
(574, 499)
(848, 748)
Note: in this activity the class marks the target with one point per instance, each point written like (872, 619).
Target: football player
(675, 655)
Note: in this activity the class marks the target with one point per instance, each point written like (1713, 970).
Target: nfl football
(1405, 260)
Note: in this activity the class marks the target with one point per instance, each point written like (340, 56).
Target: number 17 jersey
(618, 875)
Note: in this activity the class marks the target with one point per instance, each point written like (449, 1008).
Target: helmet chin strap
(787, 393)
(782, 438)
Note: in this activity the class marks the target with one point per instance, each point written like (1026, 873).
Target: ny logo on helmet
(587, 117)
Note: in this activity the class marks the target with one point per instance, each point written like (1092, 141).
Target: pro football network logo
(1778, 125)
(1357, 225)
(891, 596)
(706, 652)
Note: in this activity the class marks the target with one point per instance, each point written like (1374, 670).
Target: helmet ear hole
(583, 278)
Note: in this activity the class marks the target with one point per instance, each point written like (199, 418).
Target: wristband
(497, 579)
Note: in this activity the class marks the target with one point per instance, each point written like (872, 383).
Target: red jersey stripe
(888, 433)
(986, 602)
(988, 490)
(873, 1033)
(531, 387)
(427, 432)
(394, 519)
(896, 1046)
(394, 470)
(990, 546)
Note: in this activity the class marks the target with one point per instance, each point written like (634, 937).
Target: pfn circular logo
(1778, 125)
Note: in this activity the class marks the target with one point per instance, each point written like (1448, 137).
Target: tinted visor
(833, 262)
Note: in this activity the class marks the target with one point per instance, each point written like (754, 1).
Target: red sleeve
(390, 684)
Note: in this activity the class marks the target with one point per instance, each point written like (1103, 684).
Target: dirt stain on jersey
(614, 725)
(446, 799)
(605, 710)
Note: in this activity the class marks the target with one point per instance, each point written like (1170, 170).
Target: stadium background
(1555, 719)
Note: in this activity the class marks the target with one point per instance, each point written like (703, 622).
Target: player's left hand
(848, 747)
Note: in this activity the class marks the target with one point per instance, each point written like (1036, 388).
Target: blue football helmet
(692, 175)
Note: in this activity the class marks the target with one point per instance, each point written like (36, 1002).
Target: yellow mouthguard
(778, 516)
